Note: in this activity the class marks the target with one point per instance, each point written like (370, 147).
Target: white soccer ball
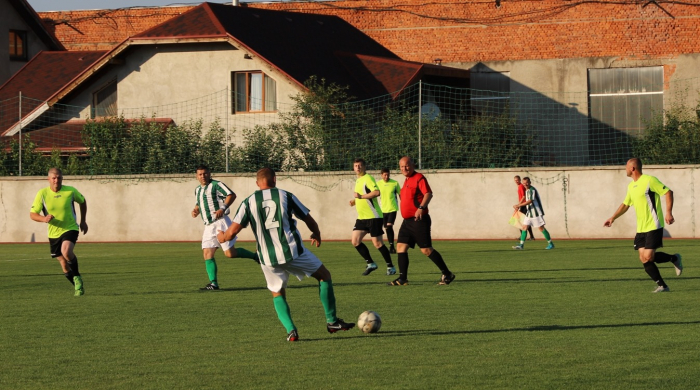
(369, 322)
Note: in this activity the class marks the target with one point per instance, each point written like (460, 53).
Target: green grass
(580, 316)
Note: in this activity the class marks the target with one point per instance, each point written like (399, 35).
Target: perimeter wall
(467, 204)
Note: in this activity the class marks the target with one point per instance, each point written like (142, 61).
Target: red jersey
(414, 189)
(521, 191)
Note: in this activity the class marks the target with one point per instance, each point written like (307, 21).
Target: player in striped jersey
(534, 214)
(213, 200)
(270, 213)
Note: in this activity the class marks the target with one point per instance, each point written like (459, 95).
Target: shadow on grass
(537, 328)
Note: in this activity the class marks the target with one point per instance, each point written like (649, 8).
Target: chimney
(236, 3)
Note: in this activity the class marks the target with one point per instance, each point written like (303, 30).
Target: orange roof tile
(104, 29)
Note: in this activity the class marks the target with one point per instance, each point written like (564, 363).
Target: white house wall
(182, 82)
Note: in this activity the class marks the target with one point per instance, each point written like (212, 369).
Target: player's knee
(426, 251)
(231, 253)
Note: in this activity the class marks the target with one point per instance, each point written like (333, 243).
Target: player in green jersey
(644, 194)
(55, 202)
(389, 190)
(369, 218)
(270, 213)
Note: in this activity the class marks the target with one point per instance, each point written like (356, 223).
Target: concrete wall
(468, 204)
(550, 95)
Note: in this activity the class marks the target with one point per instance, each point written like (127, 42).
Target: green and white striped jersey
(210, 198)
(534, 209)
(270, 213)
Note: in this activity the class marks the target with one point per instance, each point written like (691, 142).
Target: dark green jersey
(210, 198)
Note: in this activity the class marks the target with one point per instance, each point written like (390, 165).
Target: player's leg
(228, 247)
(359, 232)
(389, 219)
(403, 242)
(424, 241)
(523, 234)
(646, 256)
(532, 235)
(211, 267)
(376, 233)
(543, 229)
(71, 262)
(277, 279)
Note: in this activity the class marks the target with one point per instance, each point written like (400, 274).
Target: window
(621, 101)
(253, 92)
(490, 92)
(18, 45)
(625, 98)
(105, 100)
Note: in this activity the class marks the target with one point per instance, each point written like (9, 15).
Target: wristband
(225, 207)
(421, 208)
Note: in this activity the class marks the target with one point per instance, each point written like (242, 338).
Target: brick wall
(453, 30)
(459, 31)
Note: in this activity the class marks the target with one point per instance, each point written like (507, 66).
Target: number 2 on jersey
(270, 208)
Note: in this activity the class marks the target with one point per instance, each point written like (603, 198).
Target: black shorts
(523, 209)
(389, 218)
(57, 243)
(649, 240)
(414, 232)
(373, 226)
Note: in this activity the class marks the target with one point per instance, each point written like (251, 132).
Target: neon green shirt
(367, 208)
(389, 191)
(60, 205)
(645, 196)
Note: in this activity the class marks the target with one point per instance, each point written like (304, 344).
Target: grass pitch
(580, 316)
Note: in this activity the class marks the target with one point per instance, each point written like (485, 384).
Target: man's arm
(230, 233)
(83, 216)
(669, 208)
(313, 226)
(371, 195)
(522, 203)
(40, 218)
(227, 203)
(620, 210)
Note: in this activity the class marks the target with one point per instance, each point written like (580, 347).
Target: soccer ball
(369, 322)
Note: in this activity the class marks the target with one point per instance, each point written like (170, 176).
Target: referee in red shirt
(415, 229)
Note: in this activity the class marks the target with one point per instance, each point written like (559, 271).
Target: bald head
(407, 166)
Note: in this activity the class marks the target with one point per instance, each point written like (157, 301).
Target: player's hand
(195, 213)
(609, 222)
(669, 218)
(517, 206)
(48, 218)
(315, 240)
(220, 236)
(83, 227)
(352, 202)
(219, 213)
(357, 196)
(419, 214)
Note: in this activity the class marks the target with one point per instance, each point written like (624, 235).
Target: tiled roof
(104, 29)
(67, 137)
(300, 45)
(39, 79)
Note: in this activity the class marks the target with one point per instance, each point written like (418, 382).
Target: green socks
(246, 254)
(546, 235)
(523, 236)
(283, 312)
(211, 270)
(325, 290)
